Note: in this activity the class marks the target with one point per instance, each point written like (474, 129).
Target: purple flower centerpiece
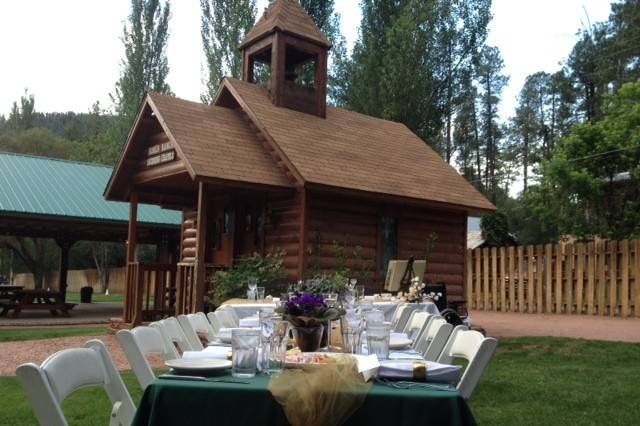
(307, 313)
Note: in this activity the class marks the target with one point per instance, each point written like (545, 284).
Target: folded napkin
(398, 336)
(405, 355)
(249, 322)
(210, 352)
(422, 371)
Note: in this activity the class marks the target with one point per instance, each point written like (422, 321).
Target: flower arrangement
(308, 310)
(415, 290)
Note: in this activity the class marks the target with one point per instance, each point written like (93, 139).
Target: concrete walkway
(82, 313)
(498, 324)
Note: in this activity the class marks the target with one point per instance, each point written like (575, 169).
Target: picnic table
(27, 300)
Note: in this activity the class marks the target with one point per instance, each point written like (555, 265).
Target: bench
(32, 300)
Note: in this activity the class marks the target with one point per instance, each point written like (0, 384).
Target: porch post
(201, 241)
(130, 302)
(65, 246)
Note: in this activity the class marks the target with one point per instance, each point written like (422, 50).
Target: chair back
(231, 314)
(65, 371)
(173, 335)
(403, 313)
(214, 321)
(416, 323)
(472, 346)
(434, 338)
(137, 344)
(227, 317)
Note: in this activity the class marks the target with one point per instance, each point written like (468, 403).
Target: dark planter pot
(308, 338)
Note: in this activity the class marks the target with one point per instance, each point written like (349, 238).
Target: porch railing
(151, 291)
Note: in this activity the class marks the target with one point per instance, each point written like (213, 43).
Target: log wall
(354, 223)
(282, 229)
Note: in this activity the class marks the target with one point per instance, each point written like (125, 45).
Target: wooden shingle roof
(217, 142)
(287, 16)
(358, 152)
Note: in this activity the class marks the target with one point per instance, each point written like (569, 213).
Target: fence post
(591, 277)
(520, 279)
(601, 249)
(485, 279)
(559, 259)
(503, 281)
(568, 256)
(579, 278)
(512, 279)
(636, 277)
(613, 278)
(548, 268)
(530, 279)
(494, 279)
(539, 278)
(624, 277)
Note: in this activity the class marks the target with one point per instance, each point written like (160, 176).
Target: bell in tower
(287, 52)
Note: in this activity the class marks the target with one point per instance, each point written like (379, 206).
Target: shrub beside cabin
(269, 165)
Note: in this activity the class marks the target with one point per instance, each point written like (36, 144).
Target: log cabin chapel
(269, 165)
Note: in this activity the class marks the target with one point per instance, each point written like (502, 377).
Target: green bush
(233, 283)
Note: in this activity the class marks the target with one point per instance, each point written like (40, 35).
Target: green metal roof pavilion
(51, 198)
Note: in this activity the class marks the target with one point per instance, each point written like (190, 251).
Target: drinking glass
(260, 293)
(351, 283)
(251, 295)
(244, 344)
(378, 340)
(360, 291)
(374, 316)
(351, 330)
(253, 285)
(277, 347)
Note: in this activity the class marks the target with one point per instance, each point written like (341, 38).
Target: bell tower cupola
(287, 52)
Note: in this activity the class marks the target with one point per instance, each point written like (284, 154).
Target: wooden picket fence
(595, 278)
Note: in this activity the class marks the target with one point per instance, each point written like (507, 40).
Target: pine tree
(145, 66)
(224, 24)
(492, 82)
(21, 117)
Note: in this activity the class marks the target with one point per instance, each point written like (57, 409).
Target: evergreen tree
(492, 82)
(21, 117)
(410, 59)
(145, 66)
(224, 24)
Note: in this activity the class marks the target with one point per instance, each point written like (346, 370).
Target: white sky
(67, 52)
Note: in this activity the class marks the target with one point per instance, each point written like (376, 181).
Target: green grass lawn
(530, 381)
(18, 334)
(73, 297)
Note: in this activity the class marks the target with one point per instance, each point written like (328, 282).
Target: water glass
(378, 340)
(373, 316)
(360, 291)
(260, 293)
(245, 344)
(351, 330)
(277, 347)
(251, 295)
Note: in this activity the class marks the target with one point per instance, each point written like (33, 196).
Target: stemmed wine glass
(253, 286)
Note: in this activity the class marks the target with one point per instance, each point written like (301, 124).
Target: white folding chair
(416, 323)
(472, 346)
(137, 344)
(215, 322)
(434, 338)
(192, 324)
(402, 316)
(173, 335)
(227, 317)
(64, 372)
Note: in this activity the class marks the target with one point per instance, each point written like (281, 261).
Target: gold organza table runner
(322, 396)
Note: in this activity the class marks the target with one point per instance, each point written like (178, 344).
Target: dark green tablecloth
(177, 402)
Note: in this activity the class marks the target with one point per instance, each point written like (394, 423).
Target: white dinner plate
(399, 343)
(198, 365)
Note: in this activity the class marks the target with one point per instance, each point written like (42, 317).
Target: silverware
(201, 379)
(413, 385)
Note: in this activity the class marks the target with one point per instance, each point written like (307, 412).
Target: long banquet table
(244, 308)
(178, 402)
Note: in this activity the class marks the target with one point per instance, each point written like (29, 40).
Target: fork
(412, 385)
